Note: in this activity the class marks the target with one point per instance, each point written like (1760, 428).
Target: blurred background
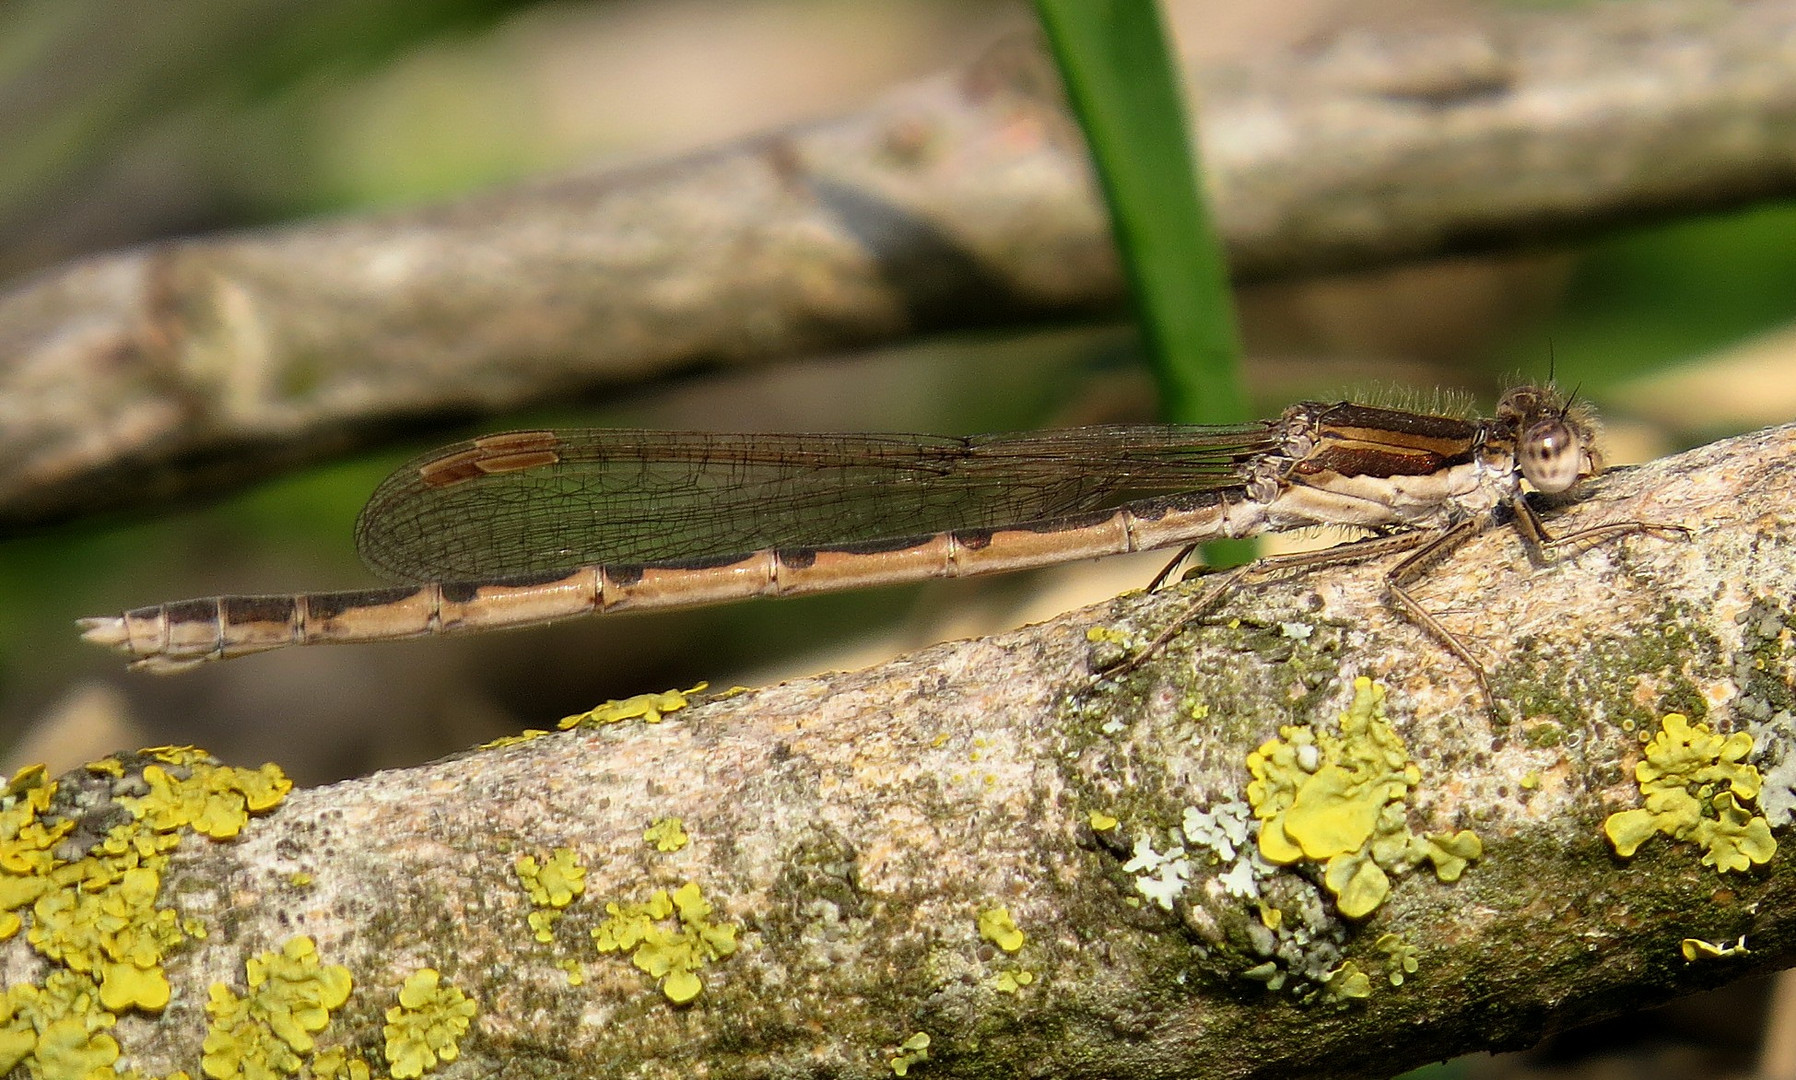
(121, 124)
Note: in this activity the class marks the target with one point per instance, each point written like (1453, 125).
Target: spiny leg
(1168, 570)
(1212, 594)
(1264, 569)
(1407, 572)
(1534, 530)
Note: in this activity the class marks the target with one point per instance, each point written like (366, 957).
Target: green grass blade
(1125, 89)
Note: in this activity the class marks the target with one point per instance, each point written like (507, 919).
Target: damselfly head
(1552, 456)
(1555, 441)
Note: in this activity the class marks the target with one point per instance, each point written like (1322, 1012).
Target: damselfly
(529, 527)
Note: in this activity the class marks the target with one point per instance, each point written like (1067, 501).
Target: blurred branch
(854, 826)
(89, 86)
(186, 367)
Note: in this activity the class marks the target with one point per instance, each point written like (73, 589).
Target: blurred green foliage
(84, 81)
(1658, 296)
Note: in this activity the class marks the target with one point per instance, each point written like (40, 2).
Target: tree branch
(195, 366)
(854, 827)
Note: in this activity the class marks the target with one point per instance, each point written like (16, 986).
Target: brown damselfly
(529, 527)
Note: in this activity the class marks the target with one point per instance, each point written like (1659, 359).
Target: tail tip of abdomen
(111, 631)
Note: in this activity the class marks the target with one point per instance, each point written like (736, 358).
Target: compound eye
(1551, 456)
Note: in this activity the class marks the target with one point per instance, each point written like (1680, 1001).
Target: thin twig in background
(141, 376)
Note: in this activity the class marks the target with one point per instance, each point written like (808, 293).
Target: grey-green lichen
(1603, 678)
(1766, 677)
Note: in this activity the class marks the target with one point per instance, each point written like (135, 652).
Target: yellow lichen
(59, 1030)
(427, 1025)
(667, 834)
(1694, 949)
(1451, 853)
(216, 800)
(1347, 983)
(527, 735)
(290, 997)
(337, 1063)
(1100, 821)
(1401, 958)
(649, 708)
(116, 932)
(27, 842)
(1358, 882)
(542, 924)
(27, 779)
(18, 1035)
(1698, 787)
(1339, 799)
(995, 926)
(1009, 982)
(552, 884)
(673, 954)
(94, 915)
(911, 1051)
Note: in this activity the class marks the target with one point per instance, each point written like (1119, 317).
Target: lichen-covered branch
(1293, 844)
(964, 200)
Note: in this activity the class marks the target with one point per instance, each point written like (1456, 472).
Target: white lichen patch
(1767, 700)
(1159, 876)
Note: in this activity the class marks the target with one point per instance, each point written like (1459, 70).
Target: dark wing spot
(510, 451)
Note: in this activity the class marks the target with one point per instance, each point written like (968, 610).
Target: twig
(190, 367)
